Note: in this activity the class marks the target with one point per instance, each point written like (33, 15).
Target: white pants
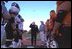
(42, 36)
(16, 45)
(3, 34)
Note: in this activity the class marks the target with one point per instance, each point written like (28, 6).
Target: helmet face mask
(11, 12)
(16, 5)
(14, 10)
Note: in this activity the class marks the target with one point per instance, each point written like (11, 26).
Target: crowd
(52, 33)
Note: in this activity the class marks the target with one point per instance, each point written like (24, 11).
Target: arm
(56, 26)
(46, 26)
(13, 24)
(60, 16)
(30, 26)
(5, 13)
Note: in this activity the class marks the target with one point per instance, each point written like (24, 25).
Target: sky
(34, 11)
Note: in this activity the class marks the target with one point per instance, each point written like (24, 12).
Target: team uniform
(17, 37)
(42, 33)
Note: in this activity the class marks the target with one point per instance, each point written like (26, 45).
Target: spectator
(34, 31)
